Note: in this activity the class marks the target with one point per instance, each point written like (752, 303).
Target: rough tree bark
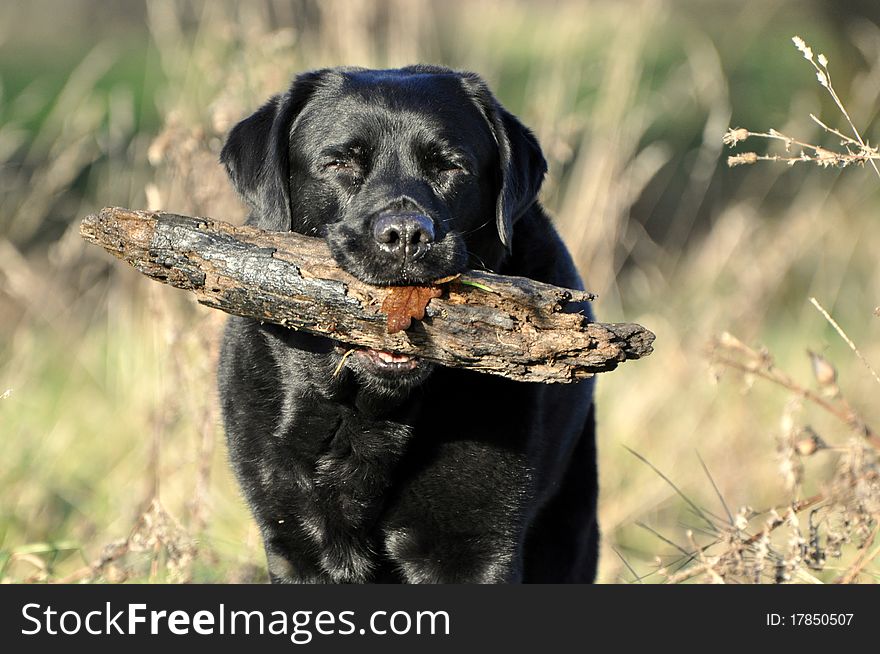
(509, 326)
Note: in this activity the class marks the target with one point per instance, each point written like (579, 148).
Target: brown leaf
(403, 303)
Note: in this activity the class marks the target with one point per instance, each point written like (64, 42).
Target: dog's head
(410, 175)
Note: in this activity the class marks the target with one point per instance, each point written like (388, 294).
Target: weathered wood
(520, 329)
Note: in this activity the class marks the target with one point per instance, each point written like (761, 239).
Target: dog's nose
(407, 236)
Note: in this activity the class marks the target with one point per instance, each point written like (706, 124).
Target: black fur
(397, 470)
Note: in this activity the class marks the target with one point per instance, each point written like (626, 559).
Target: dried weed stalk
(853, 149)
(158, 548)
(831, 535)
(796, 542)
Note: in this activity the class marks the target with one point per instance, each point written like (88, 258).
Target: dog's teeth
(388, 357)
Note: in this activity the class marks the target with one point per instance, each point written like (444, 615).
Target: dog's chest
(345, 492)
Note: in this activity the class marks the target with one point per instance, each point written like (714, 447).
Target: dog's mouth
(382, 370)
(386, 362)
(381, 363)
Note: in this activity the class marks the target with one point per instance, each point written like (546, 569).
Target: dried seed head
(734, 136)
(786, 423)
(791, 470)
(809, 442)
(741, 520)
(781, 573)
(728, 340)
(877, 311)
(823, 60)
(803, 47)
(743, 158)
(824, 372)
(827, 157)
(815, 556)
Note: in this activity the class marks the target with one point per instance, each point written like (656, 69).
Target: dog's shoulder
(539, 253)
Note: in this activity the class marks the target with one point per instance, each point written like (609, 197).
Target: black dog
(395, 469)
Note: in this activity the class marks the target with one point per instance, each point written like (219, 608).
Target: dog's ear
(256, 154)
(522, 164)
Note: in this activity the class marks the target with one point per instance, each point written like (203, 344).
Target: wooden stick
(509, 326)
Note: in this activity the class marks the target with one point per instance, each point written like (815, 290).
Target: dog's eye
(338, 164)
(444, 166)
(347, 161)
(450, 168)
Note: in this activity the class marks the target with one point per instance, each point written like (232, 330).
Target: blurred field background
(113, 462)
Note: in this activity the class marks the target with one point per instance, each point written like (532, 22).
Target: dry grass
(844, 515)
(842, 519)
(115, 464)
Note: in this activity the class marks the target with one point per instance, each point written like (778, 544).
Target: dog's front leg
(460, 520)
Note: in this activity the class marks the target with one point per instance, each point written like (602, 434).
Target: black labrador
(394, 469)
